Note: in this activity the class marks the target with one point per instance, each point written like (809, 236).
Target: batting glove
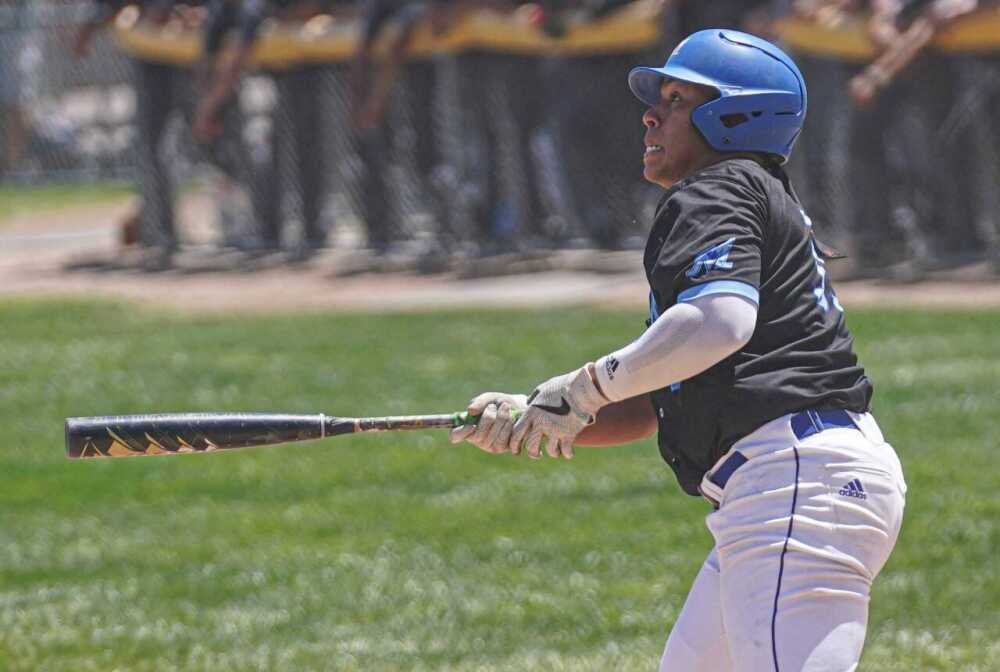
(496, 412)
(558, 410)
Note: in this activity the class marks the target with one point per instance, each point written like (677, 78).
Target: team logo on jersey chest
(711, 259)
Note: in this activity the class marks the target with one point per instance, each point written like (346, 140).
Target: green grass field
(401, 551)
(48, 199)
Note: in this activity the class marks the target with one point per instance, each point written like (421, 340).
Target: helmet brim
(645, 82)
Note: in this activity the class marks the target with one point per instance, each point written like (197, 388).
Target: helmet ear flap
(739, 122)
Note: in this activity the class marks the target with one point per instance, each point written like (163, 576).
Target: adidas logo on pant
(853, 489)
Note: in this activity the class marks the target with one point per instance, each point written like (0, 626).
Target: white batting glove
(496, 411)
(558, 410)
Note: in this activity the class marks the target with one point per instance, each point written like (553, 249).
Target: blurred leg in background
(232, 167)
(969, 136)
(600, 140)
(266, 185)
(307, 167)
(372, 194)
(823, 165)
(919, 215)
(155, 101)
(486, 118)
(522, 176)
(873, 245)
(420, 139)
(15, 125)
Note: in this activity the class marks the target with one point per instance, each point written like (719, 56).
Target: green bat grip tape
(466, 419)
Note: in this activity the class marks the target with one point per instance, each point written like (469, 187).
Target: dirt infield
(60, 256)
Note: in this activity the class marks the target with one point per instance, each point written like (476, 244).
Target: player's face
(674, 147)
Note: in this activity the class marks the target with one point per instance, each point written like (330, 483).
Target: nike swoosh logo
(555, 410)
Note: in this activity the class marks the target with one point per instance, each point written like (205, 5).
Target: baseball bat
(168, 434)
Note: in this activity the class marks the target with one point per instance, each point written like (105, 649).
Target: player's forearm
(228, 70)
(620, 422)
(687, 339)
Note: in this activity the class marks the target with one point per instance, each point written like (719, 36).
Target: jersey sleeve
(714, 245)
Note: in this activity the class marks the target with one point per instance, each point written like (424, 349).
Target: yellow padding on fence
(978, 32)
(633, 28)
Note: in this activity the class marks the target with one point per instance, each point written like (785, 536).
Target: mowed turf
(21, 201)
(403, 552)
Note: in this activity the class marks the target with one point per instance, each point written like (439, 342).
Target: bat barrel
(119, 436)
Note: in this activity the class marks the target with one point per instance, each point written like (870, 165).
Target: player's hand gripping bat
(167, 434)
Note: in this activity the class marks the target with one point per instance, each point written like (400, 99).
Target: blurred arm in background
(826, 12)
(898, 49)
(222, 65)
(370, 92)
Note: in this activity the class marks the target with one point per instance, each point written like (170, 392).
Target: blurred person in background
(973, 119)
(503, 102)
(373, 78)
(297, 162)
(15, 122)
(479, 153)
(155, 85)
(163, 90)
(825, 165)
(927, 224)
(601, 173)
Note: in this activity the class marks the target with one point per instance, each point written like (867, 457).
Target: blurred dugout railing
(499, 138)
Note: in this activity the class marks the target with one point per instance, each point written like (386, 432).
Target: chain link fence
(62, 118)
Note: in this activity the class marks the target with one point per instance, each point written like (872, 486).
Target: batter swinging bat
(166, 434)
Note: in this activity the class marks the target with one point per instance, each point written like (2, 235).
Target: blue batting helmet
(762, 95)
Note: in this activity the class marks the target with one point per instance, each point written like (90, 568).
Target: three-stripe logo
(853, 489)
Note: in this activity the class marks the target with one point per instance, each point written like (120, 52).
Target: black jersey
(737, 228)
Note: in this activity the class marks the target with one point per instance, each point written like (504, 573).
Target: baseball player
(300, 132)
(747, 372)
(159, 89)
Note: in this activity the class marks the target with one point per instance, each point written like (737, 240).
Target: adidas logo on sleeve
(853, 489)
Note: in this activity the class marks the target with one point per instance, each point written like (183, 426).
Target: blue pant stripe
(781, 563)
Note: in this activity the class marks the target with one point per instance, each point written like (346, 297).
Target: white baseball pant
(809, 508)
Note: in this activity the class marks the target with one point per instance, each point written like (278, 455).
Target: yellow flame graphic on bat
(92, 448)
(119, 447)
(155, 447)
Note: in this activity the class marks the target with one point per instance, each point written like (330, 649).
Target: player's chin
(653, 170)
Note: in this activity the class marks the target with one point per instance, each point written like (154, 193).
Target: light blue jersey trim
(737, 287)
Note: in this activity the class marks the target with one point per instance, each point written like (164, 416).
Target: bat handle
(465, 418)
